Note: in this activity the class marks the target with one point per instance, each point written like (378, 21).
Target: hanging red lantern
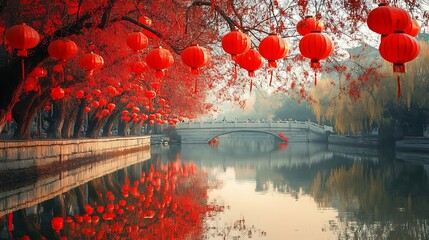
(22, 37)
(385, 19)
(308, 25)
(273, 48)
(47, 108)
(87, 109)
(111, 106)
(80, 94)
(413, 29)
(399, 48)
(316, 46)
(150, 94)
(39, 72)
(137, 41)
(91, 62)
(159, 59)
(138, 67)
(195, 57)
(95, 104)
(57, 223)
(235, 43)
(57, 93)
(251, 61)
(62, 49)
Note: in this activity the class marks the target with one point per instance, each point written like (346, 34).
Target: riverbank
(41, 154)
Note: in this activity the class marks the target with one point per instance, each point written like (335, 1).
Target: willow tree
(354, 109)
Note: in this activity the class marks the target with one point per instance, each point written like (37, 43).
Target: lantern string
(399, 87)
(315, 78)
(235, 72)
(22, 69)
(271, 78)
(251, 84)
(196, 85)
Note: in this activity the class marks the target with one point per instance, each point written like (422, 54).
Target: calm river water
(241, 187)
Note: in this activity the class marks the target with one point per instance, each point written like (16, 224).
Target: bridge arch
(213, 136)
(296, 131)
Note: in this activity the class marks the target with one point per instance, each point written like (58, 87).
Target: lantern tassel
(22, 69)
(251, 85)
(271, 78)
(399, 87)
(195, 87)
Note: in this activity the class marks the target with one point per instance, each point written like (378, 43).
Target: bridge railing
(255, 124)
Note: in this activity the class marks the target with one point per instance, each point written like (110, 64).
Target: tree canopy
(102, 27)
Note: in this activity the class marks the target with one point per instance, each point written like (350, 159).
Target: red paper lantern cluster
(57, 223)
(397, 29)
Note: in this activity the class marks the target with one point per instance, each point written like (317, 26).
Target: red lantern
(399, 48)
(137, 41)
(22, 37)
(95, 104)
(150, 94)
(62, 49)
(316, 46)
(91, 62)
(87, 109)
(111, 106)
(273, 48)
(80, 94)
(413, 29)
(161, 101)
(251, 61)
(159, 59)
(309, 24)
(47, 108)
(385, 19)
(195, 57)
(57, 223)
(39, 72)
(57, 93)
(138, 67)
(235, 43)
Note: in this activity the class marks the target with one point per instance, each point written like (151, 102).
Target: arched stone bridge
(296, 131)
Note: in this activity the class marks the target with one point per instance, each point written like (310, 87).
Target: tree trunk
(57, 120)
(107, 129)
(80, 119)
(123, 128)
(24, 113)
(69, 123)
(94, 127)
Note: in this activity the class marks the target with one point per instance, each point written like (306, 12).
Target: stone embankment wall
(42, 153)
(51, 186)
